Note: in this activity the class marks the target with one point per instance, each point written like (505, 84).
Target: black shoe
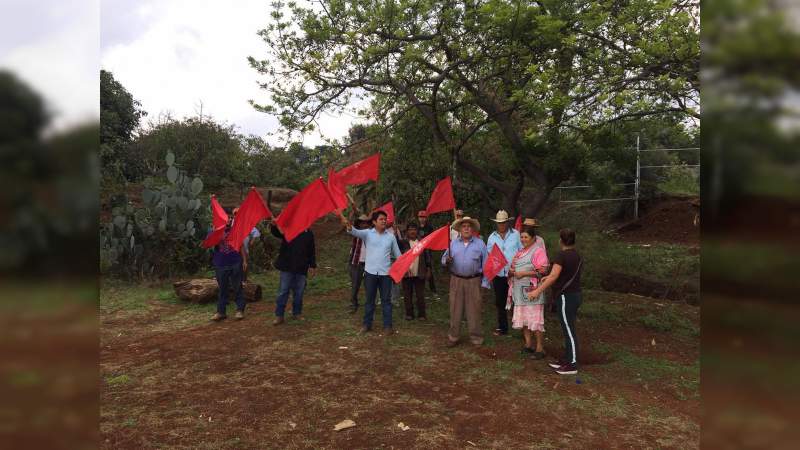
(364, 330)
(567, 369)
(557, 364)
(538, 355)
(527, 351)
(409, 317)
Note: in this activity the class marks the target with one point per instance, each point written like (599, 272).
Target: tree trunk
(532, 206)
(205, 290)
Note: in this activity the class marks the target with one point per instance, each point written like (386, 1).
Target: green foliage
(161, 237)
(204, 147)
(535, 78)
(120, 114)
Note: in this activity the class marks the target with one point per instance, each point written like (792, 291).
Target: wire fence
(638, 177)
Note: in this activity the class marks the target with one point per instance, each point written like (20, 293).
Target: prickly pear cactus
(160, 237)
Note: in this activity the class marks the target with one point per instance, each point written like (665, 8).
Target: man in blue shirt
(507, 239)
(381, 246)
(465, 258)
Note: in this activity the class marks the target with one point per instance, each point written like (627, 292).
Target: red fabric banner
(218, 216)
(251, 211)
(337, 189)
(438, 240)
(359, 173)
(494, 263)
(442, 197)
(313, 202)
(518, 224)
(389, 210)
(215, 237)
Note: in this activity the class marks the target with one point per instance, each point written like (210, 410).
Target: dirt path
(251, 385)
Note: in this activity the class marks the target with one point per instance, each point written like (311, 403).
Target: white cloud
(190, 52)
(60, 60)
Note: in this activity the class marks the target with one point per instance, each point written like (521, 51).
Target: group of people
(520, 287)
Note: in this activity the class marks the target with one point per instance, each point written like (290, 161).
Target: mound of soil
(631, 284)
(671, 220)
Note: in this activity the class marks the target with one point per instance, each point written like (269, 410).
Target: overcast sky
(52, 46)
(174, 54)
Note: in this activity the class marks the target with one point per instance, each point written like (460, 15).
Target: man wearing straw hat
(465, 257)
(507, 239)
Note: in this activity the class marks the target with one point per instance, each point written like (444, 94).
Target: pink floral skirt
(531, 316)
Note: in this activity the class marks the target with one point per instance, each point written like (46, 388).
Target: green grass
(772, 266)
(119, 380)
(666, 263)
(685, 379)
(666, 320)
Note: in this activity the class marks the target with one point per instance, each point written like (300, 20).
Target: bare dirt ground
(171, 379)
(670, 220)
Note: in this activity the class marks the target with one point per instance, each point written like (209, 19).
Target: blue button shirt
(509, 246)
(381, 248)
(467, 259)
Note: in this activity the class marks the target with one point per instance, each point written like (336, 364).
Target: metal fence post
(636, 186)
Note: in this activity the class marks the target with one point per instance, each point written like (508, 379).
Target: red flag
(251, 211)
(362, 171)
(442, 197)
(494, 263)
(313, 202)
(389, 210)
(518, 224)
(337, 189)
(218, 216)
(214, 238)
(437, 240)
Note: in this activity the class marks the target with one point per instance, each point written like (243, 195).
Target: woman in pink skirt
(528, 266)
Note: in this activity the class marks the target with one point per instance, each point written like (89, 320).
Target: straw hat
(364, 218)
(475, 224)
(531, 222)
(501, 217)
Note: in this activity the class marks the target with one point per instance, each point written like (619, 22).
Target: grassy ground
(171, 379)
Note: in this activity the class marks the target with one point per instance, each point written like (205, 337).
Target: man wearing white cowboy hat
(465, 258)
(507, 239)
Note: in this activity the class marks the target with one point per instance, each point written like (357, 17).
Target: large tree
(541, 73)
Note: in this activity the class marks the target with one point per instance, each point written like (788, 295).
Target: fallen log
(205, 290)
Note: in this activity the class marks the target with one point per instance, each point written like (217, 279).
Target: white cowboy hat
(475, 224)
(501, 217)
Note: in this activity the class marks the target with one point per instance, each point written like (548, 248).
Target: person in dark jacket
(229, 265)
(425, 228)
(296, 260)
(418, 272)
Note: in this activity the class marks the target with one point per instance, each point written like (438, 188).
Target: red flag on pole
(362, 171)
(442, 197)
(437, 240)
(518, 223)
(313, 202)
(215, 237)
(494, 263)
(251, 211)
(337, 189)
(218, 216)
(389, 210)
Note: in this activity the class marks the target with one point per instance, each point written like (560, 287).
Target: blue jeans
(371, 285)
(296, 282)
(227, 277)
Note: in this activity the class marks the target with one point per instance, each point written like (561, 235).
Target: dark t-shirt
(568, 260)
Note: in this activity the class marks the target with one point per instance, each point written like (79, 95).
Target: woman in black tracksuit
(565, 278)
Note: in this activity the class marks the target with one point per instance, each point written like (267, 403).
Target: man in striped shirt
(358, 254)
